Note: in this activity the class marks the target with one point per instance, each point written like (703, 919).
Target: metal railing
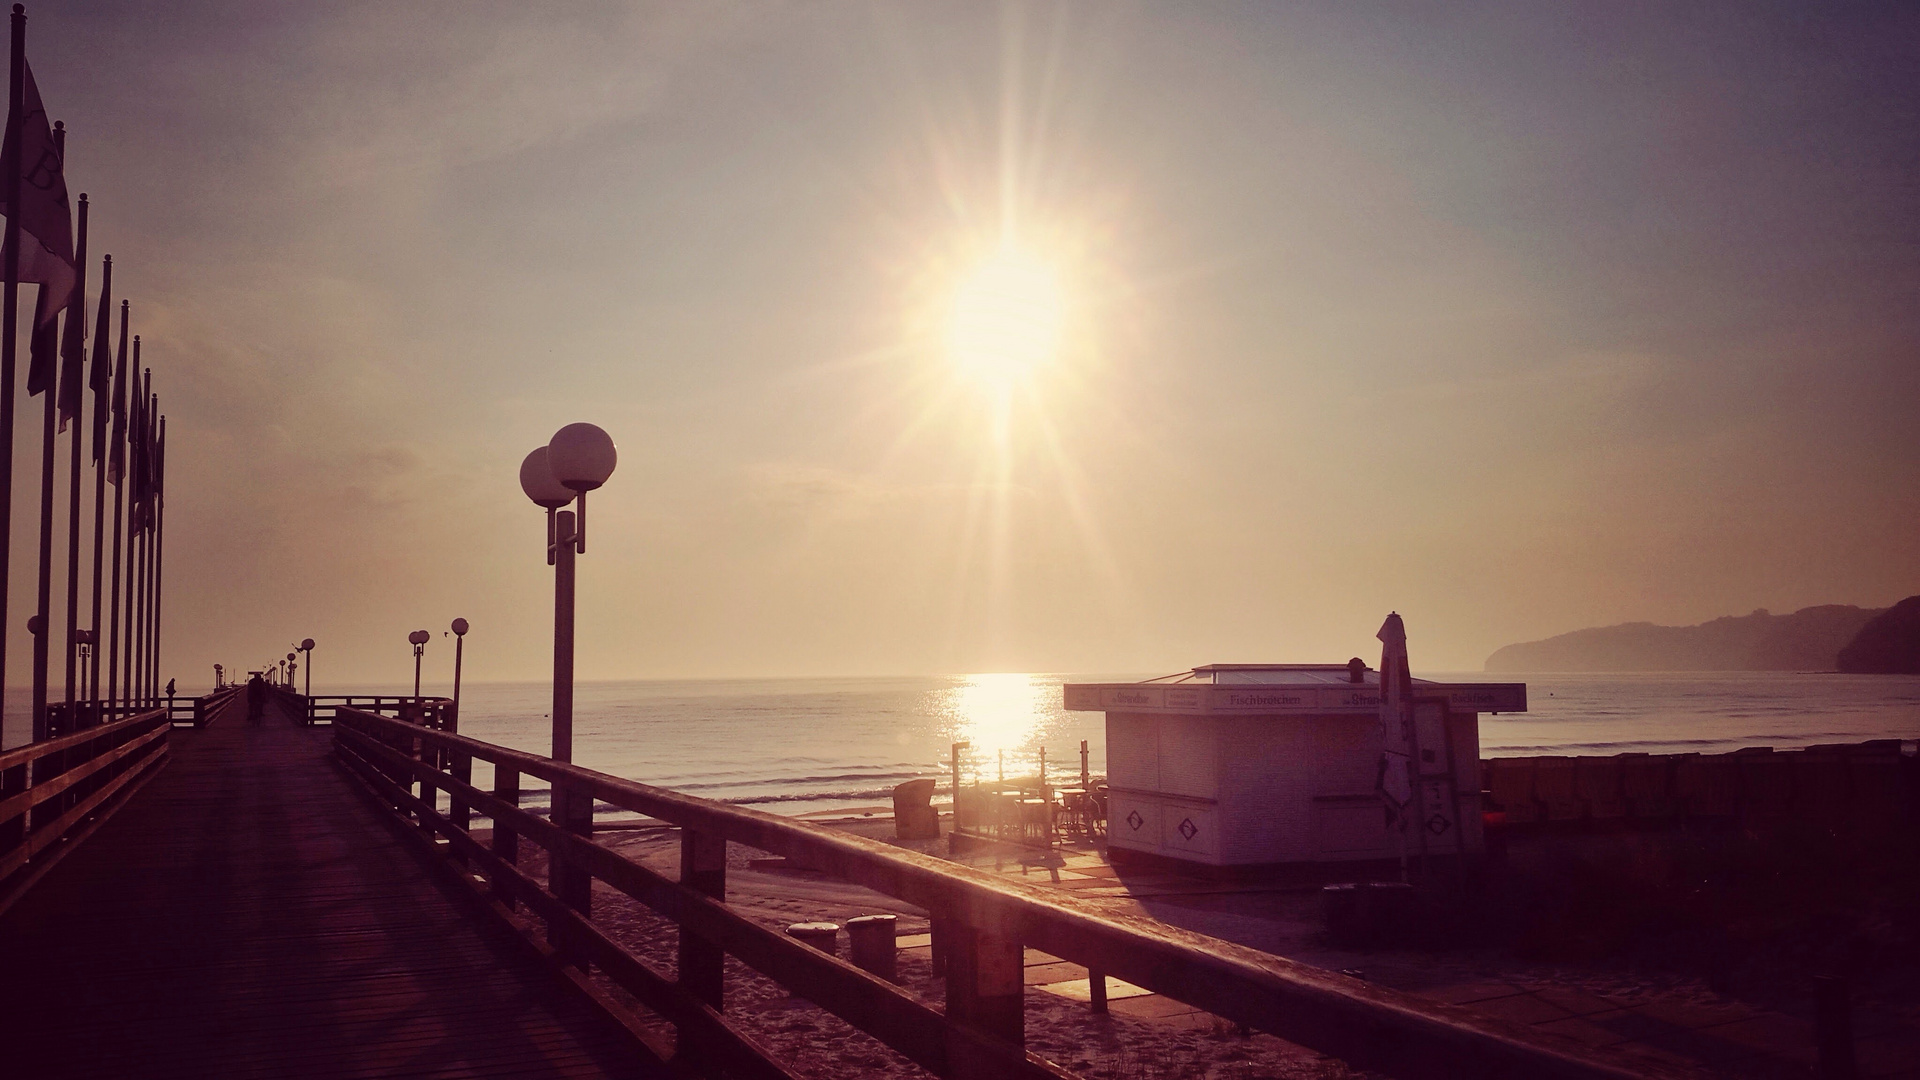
(981, 924)
(55, 793)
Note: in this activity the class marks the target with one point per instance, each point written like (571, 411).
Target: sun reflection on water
(1001, 713)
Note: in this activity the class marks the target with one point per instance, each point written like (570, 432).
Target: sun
(1006, 318)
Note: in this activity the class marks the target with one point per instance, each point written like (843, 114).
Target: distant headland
(1824, 638)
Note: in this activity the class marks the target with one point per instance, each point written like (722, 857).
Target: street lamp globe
(419, 637)
(581, 457)
(460, 627)
(537, 480)
(306, 644)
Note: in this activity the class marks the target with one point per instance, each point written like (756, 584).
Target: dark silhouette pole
(306, 646)
(159, 544)
(117, 467)
(459, 648)
(418, 639)
(102, 384)
(149, 688)
(136, 535)
(565, 542)
(10, 316)
(41, 639)
(71, 386)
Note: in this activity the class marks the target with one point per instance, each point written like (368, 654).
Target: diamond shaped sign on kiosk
(1238, 765)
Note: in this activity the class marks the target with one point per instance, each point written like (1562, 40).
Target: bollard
(1386, 912)
(870, 941)
(1340, 906)
(1833, 1027)
(824, 936)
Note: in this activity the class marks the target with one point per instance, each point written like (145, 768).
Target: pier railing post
(13, 831)
(429, 793)
(460, 765)
(506, 842)
(702, 964)
(985, 991)
(572, 883)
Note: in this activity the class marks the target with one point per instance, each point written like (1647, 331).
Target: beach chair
(1554, 786)
(1510, 782)
(1822, 790)
(1706, 786)
(1646, 782)
(1596, 781)
(1880, 796)
(914, 817)
(1766, 785)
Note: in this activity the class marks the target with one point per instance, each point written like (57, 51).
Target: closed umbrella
(1396, 777)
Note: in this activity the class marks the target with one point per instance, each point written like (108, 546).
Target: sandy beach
(1635, 1004)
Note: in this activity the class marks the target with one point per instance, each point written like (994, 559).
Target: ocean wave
(1796, 739)
(810, 796)
(795, 781)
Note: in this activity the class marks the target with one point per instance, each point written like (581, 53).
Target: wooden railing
(213, 707)
(981, 924)
(55, 793)
(433, 712)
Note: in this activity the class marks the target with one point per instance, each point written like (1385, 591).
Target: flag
(143, 462)
(45, 217)
(43, 348)
(73, 343)
(101, 379)
(136, 445)
(117, 445)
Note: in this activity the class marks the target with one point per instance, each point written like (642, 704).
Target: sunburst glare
(1006, 317)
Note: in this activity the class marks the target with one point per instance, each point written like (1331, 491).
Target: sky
(1514, 318)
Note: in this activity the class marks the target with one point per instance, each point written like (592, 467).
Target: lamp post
(578, 459)
(306, 646)
(418, 639)
(459, 647)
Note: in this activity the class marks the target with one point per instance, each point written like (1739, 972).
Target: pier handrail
(55, 793)
(981, 924)
(320, 708)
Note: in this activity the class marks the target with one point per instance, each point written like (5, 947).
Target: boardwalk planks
(247, 915)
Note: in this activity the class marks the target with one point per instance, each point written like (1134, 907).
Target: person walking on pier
(256, 698)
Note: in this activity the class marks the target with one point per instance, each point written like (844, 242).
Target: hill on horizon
(1807, 640)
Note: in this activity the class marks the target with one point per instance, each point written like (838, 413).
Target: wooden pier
(303, 896)
(253, 916)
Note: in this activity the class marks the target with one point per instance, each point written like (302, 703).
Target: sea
(831, 746)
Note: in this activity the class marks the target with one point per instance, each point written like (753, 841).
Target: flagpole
(71, 378)
(142, 492)
(10, 317)
(117, 444)
(102, 380)
(146, 629)
(132, 483)
(136, 584)
(42, 641)
(150, 627)
(159, 548)
(120, 485)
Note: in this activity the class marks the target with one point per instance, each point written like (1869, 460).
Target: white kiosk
(1242, 765)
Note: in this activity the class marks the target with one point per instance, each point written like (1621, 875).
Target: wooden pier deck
(250, 914)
